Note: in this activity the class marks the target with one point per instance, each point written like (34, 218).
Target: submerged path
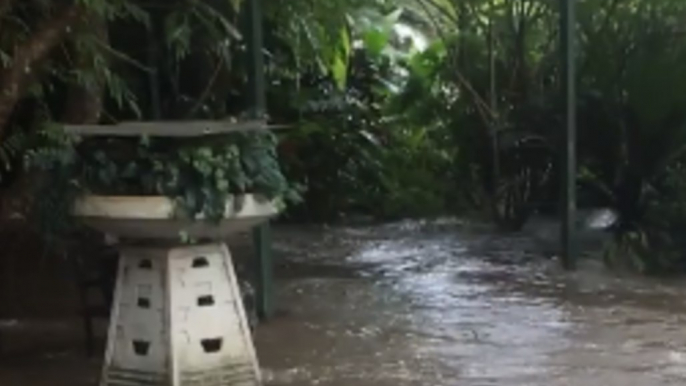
(428, 304)
(445, 304)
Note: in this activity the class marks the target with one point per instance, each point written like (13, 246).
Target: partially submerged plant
(199, 175)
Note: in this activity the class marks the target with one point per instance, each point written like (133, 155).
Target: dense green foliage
(399, 107)
(492, 82)
(200, 176)
(474, 120)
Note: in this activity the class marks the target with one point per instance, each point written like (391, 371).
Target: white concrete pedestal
(178, 320)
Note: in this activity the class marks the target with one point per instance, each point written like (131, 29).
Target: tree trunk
(5, 6)
(85, 102)
(16, 79)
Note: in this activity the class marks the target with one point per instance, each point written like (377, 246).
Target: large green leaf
(339, 71)
(341, 58)
(378, 35)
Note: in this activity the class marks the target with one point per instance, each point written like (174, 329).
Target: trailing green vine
(201, 176)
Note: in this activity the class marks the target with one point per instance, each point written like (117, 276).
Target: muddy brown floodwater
(439, 303)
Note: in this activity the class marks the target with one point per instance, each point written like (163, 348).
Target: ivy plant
(199, 175)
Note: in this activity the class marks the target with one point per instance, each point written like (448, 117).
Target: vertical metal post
(265, 271)
(493, 105)
(257, 92)
(568, 82)
(255, 57)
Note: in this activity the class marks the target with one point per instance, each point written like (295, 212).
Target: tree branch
(16, 78)
(85, 102)
(480, 105)
(5, 6)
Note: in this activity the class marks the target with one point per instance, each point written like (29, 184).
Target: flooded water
(444, 304)
(439, 303)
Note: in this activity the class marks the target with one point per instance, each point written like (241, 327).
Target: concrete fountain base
(178, 320)
(178, 317)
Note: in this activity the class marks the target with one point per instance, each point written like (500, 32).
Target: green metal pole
(568, 81)
(257, 91)
(265, 271)
(254, 50)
